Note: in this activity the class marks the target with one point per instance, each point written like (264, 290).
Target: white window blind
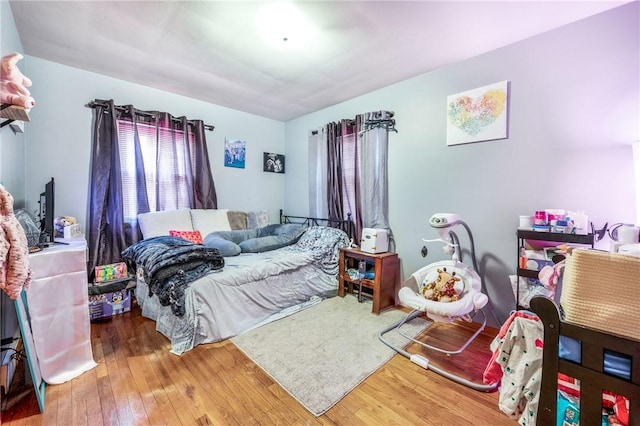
(163, 156)
(349, 170)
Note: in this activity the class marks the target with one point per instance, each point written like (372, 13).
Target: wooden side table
(386, 276)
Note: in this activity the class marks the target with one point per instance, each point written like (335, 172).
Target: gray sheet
(250, 288)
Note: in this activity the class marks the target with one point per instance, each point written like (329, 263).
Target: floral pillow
(257, 219)
(193, 236)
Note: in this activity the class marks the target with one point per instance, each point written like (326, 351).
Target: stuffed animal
(60, 222)
(13, 84)
(442, 289)
(15, 272)
(551, 276)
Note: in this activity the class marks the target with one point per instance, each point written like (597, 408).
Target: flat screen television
(47, 213)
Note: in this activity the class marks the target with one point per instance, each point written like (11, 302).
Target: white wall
(574, 113)
(11, 144)
(58, 142)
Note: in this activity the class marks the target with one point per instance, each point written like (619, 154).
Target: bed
(250, 287)
(597, 340)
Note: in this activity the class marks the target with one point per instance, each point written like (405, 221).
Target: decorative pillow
(225, 247)
(209, 220)
(154, 224)
(271, 242)
(194, 236)
(237, 220)
(257, 219)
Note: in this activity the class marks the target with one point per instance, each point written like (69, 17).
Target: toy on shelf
(66, 227)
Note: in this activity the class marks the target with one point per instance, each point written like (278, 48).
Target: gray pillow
(225, 247)
(270, 242)
(279, 229)
(236, 236)
(267, 238)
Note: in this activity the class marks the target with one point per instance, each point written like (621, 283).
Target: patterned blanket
(169, 265)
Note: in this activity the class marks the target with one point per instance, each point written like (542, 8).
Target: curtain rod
(389, 125)
(94, 104)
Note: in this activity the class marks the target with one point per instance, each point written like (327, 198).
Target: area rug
(320, 354)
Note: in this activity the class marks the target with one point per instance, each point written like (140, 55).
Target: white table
(58, 305)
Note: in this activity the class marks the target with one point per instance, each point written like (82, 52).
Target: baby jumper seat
(444, 291)
(468, 287)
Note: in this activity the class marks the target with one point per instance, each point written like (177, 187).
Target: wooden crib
(600, 300)
(593, 380)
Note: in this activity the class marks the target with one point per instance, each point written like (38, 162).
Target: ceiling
(213, 50)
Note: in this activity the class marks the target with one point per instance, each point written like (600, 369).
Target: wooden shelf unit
(12, 113)
(386, 280)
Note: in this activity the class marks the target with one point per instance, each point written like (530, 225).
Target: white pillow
(154, 224)
(210, 220)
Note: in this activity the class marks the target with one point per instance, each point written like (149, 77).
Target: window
(334, 169)
(167, 167)
(349, 173)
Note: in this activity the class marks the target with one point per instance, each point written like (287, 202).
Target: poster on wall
(234, 152)
(478, 115)
(273, 163)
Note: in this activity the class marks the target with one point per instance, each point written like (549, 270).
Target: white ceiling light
(283, 26)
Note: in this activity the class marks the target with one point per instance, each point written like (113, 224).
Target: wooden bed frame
(346, 225)
(590, 373)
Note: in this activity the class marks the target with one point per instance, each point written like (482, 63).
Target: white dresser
(58, 306)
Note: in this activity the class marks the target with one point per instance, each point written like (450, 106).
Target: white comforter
(249, 289)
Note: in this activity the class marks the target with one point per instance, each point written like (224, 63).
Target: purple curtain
(109, 232)
(334, 172)
(343, 172)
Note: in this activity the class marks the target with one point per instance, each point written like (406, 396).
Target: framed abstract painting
(478, 115)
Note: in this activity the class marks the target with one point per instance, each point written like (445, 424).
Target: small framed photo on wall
(234, 152)
(273, 163)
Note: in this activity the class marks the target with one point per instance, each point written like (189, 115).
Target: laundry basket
(33, 239)
(28, 223)
(601, 290)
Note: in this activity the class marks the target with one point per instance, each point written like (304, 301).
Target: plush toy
(60, 222)
(550, 276)
(13, 84)
(15, 272)
(442, 289)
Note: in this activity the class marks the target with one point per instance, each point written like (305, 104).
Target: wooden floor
(139, 382)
